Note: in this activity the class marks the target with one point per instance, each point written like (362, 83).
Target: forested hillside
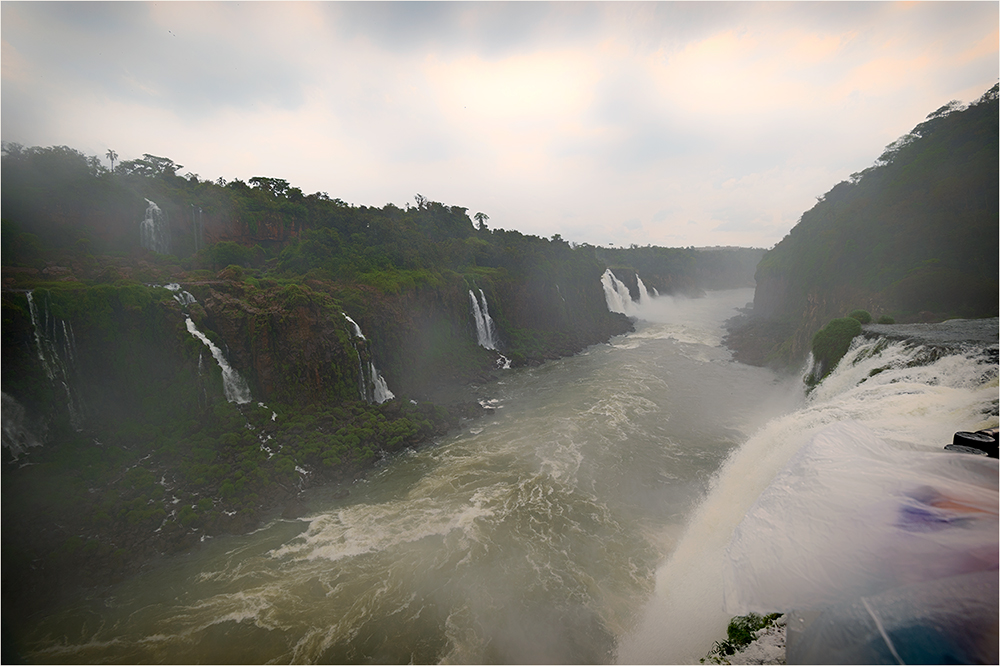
(182, 356)
(913, 237)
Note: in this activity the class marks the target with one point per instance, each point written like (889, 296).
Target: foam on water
(878, 385)
(532, 536)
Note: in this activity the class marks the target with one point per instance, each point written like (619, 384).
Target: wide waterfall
(585, 520)
(486, 331)
(372, 384)
(617, 294)
(233, 385)
(154, 234)
(912, 396)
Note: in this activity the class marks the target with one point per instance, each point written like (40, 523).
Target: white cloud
(698, 123)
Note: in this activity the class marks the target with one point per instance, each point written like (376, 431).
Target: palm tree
(481, 219)
(112, 155)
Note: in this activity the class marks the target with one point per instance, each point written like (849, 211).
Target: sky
(673, 124)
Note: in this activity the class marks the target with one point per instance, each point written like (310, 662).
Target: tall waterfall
(55, 346)
(485, 328)
(371, 383)
(643, 292)
(234, 386)
(617, 294)
(153, 231)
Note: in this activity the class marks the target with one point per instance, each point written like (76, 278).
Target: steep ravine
(159, 459)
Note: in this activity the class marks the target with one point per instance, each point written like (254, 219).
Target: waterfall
(55, 346)
(643, 292)
(357, 329)
(234, 386)
(616, 294)
(371, 383)
(180, 295)
(910, 397)
(485, 329)
(153, 232)
(380, 389)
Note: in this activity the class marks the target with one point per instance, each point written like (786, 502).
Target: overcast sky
(653, 123)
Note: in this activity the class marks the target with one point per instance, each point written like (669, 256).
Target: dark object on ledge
(983, 442)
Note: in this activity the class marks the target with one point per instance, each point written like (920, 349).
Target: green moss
(831, 343)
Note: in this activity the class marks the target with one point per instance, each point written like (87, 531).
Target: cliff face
(291, 342)
(913, 237)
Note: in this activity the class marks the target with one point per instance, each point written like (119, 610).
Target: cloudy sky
(673, 124)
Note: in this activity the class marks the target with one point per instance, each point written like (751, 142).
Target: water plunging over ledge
(583, 521)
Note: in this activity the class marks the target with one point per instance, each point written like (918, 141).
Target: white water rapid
(153, 231)
(584, 521)
(234, 386)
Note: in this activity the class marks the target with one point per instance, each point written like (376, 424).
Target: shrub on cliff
(862, 316)
(831, 343)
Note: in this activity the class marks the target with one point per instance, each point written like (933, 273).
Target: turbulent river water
(583, 521)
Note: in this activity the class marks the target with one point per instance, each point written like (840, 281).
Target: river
(581, 522)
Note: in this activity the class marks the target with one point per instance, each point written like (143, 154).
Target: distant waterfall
(55, 346)
(643, 292)
(153, 232)
(485, 328)
(234, 386)
(617, 295)
(371, 383)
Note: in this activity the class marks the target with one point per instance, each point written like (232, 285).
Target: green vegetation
(831, 343)
(742, 631)
(863, 316)
(915, 235)
(886, 319)
(141, 453)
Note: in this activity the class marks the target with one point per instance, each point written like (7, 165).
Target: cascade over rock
(234, 385)
(486, 333)
(154, 234)
(372, 384)
(617, 295)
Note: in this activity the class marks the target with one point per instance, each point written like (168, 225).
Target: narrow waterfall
(643, 292)
(485, 328)
(371, 383)
(357, 329)
(154, 234)
(380, 389)
(55, 346)
(234, 386)
(617, 295)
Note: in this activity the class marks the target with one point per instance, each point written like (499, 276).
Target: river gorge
(584, 520)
